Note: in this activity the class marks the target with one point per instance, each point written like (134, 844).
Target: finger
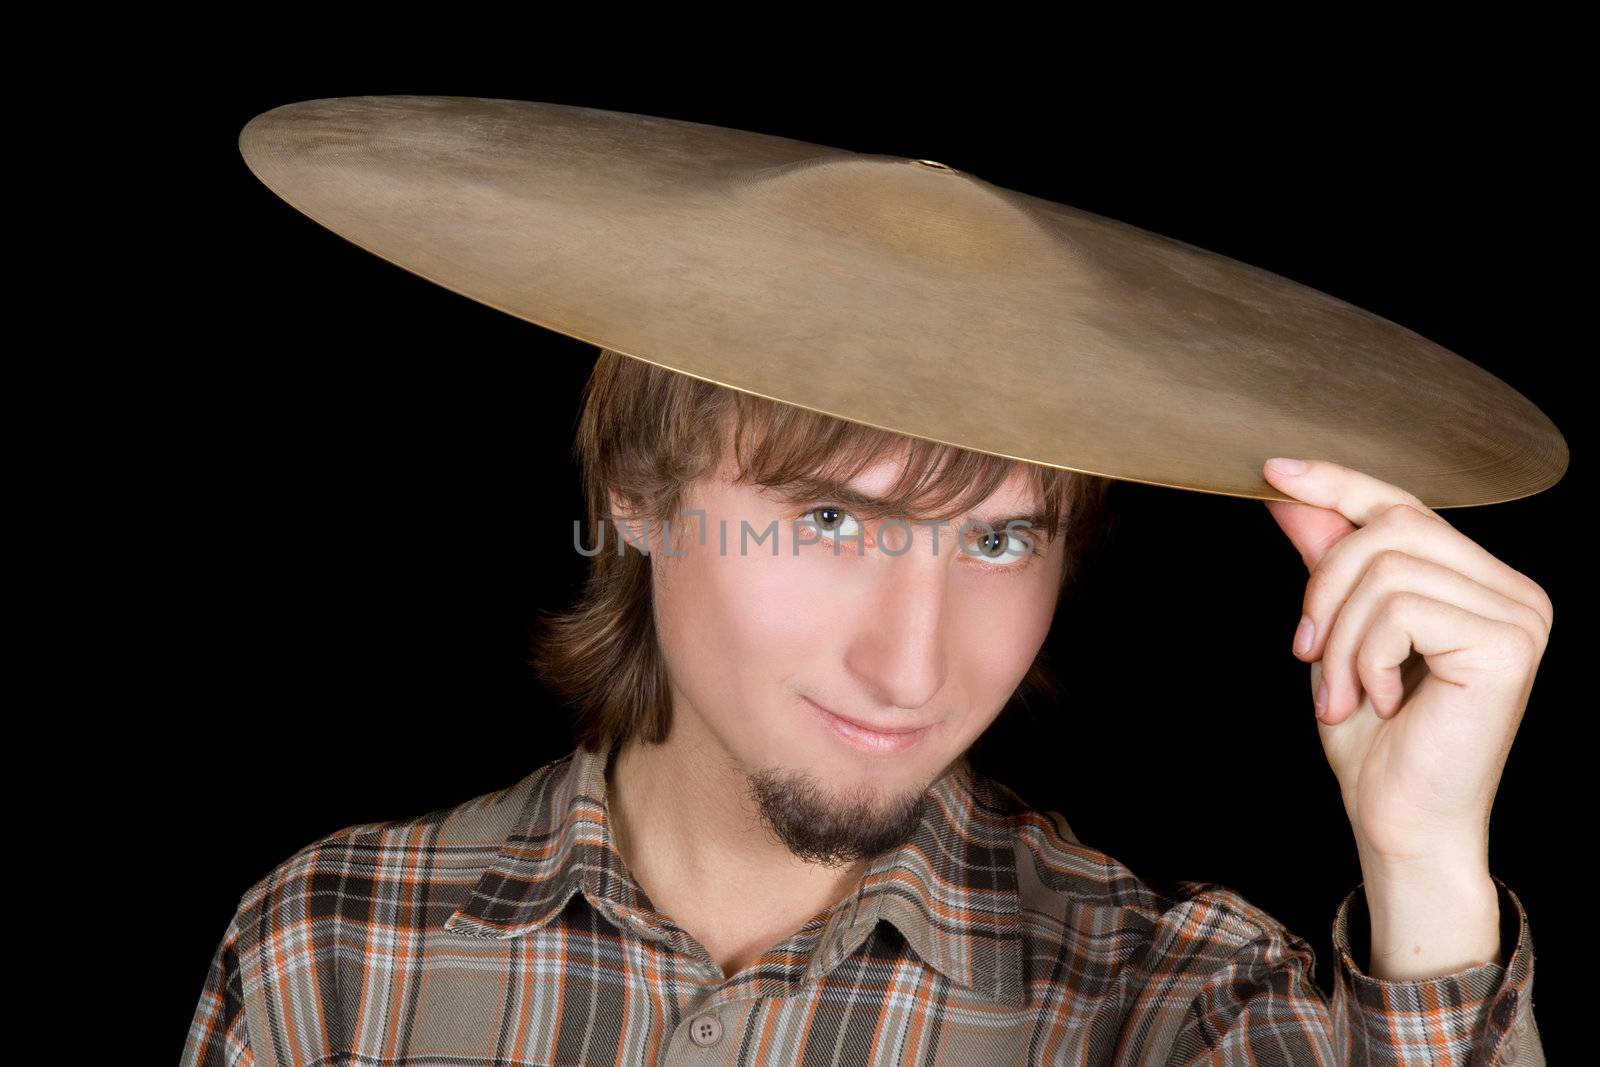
(1406, 531)
(1377, 664)
(1357, 496)
(1392, 571)
(1460, 647)
(1407, 622)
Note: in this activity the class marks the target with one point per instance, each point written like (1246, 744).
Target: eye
(827, 519)
(1003, 549)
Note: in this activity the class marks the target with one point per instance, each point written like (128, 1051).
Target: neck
(691, 836)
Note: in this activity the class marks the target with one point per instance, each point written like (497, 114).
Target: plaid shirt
(508, 931)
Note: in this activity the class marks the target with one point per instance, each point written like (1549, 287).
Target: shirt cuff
(1445, 1019)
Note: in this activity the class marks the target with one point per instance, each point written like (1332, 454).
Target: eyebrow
(873, 505)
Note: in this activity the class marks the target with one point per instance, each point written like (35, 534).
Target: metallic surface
(900, 293)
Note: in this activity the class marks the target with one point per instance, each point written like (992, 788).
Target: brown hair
(646, 433)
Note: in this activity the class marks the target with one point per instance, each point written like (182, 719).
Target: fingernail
(1287, 466)
(1302, 635)
(1322, 696)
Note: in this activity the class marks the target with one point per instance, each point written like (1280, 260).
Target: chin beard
(833, 830)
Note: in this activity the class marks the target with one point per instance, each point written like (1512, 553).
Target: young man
(768, 846)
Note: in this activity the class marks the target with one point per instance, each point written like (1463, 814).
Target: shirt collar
(951, 889)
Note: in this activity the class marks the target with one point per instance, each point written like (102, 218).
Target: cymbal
(901, 293)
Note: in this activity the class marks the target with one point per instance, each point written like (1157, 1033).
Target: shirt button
(706, 1030)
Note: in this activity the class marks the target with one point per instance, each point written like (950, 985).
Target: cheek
(1000, 631)
(752, 613)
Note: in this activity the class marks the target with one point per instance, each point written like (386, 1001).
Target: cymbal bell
(900, 293)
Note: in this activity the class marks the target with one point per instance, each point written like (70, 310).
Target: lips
(869, 738)
(876, 729)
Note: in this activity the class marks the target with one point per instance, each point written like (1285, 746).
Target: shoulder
(403, 870)
(1076, 900)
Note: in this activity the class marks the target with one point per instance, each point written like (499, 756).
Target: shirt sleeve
(218, 1034)
(1263, 1006)
(1480, 1015)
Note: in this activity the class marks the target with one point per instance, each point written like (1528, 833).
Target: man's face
(897, 634)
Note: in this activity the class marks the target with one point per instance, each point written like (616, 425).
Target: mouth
(867, 738)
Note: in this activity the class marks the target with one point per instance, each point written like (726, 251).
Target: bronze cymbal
(900, 293)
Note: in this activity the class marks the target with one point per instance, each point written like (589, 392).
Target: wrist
(1443, 859)
(1430, 923)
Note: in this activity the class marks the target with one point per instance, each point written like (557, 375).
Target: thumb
(1311, 529)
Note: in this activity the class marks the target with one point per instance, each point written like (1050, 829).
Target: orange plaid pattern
(507, 931)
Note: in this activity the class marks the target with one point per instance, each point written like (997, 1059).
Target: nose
(898, 652)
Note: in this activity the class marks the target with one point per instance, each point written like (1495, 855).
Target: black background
(357, 473)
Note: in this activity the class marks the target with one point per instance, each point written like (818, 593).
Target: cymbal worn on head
(900, 293)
